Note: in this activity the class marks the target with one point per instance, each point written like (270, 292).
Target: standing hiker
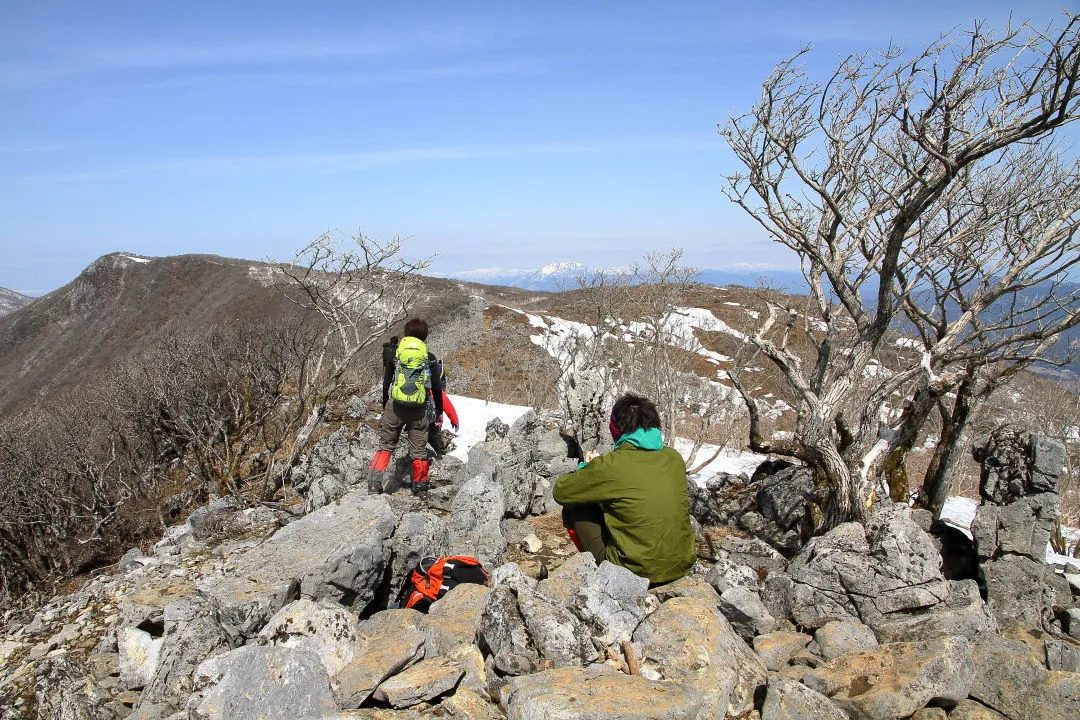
(630, 506)
(409, 383)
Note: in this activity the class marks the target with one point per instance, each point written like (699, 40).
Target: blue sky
(496, 134)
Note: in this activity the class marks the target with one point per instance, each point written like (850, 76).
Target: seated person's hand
(591, 455)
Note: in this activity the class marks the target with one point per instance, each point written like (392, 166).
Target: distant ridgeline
(10, 301)
(563, 276)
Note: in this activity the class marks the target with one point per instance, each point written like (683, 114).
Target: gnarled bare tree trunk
(923, 187)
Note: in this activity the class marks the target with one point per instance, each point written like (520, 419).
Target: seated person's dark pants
(586, 525)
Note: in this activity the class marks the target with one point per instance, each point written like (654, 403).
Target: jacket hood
(643, 438)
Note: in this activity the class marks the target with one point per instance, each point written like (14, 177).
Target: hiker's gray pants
(394, 418)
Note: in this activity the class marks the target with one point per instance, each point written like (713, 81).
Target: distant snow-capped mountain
(562, 276)
(553, 277)
(10, 301)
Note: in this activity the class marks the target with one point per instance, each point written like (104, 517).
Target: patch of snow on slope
(474, 416)
(732, 462)
(703, 319)
(132, 258)
(908, 343)
(558, 335)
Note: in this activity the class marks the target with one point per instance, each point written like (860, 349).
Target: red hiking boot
(420, 484)
(379, 463)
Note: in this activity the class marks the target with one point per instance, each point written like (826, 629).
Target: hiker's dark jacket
(389, 349)
(641, 487)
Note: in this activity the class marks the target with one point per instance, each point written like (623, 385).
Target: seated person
(630, 506)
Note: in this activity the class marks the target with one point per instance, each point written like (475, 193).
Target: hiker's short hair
(417, 328)
(633, 412)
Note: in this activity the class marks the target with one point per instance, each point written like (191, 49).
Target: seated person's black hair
(417, 328)
(634, 412)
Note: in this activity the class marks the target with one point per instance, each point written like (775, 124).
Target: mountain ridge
(563, 275)
(10, 301)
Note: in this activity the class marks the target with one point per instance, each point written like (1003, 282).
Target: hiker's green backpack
(412, 380)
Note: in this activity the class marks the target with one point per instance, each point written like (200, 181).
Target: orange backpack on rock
(434, 577)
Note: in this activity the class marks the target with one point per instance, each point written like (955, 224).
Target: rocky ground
(257, 613)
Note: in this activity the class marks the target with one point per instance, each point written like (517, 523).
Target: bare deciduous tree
(359, 287)
(917, 187)
(637, 336)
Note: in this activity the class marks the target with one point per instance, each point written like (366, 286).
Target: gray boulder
(561, 639)
(339, 552)
(598, 693)
(496, 429)
(257, 682)
(694, 585)
(1022, 527)
(192, 634)
(564, 582)
(1062, 695)
(468, 704)
(387, 643)
(1024, 591)
(586, 407)
(726, 574)
(324, 628)
(503, 634)
(211, 519)
(418, 535)
(484, 458)
(972, 710)
(961, 612)
(453, 619)
(321, 490)
(424, 681)
(335, 463)
(129, 561)
(1062, 653)
(783, 498)
(789, 700)
(746, 613)
(870, 574)
(1011, 680)
(723, 499)
(64, 691)
(611, 602)
(895, 680)
(753, 553)
(778, 594)
(841, 637)
(551, 448)
(777, 648)
(686, 640)
(140, 655)
(474, 521)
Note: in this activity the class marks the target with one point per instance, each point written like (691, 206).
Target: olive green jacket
(643, 494)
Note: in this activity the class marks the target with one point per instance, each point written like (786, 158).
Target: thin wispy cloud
(340, 79)
(28, 148)
(59, 66)
(330, 163)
